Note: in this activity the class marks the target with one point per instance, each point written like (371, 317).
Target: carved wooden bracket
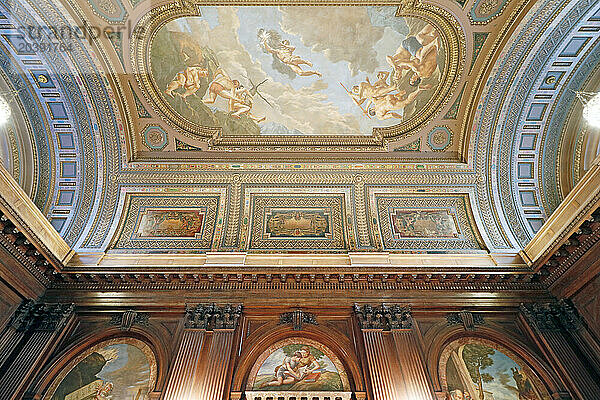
(385, 317)
(468, 319)
(211, 316)
(127, 319)
(297, 318)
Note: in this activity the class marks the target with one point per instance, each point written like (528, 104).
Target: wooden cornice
(324, 279)
(23, 215)
(566, 220)
(565, 253)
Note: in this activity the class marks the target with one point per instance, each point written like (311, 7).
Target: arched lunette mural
(120, 368)
(298, 364)
(478, 369)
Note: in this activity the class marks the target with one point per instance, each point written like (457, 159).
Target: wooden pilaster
(416, 381)
(385, 384)
(552, 326)
(199, 371)
(34, 331)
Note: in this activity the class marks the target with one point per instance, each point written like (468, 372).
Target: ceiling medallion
(271, 75)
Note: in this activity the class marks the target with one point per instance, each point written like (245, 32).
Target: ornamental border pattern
(467, 240)
(210, 201)
(337, 199)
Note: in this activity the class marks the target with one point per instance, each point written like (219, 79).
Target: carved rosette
(556, 316)
(385, 317)
(211, 316)
(40, 316)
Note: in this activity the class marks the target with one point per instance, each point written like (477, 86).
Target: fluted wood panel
(19, 372)
(416, 383)
(9, 340)
(185, 369)
(384, 380)
(215, 365)
(588, 345)
(581, 381)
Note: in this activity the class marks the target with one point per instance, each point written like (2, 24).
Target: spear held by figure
(356, 102)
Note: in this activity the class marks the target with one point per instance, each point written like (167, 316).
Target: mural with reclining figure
(300, 365)
(288, 70)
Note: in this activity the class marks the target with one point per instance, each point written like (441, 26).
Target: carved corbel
(297, 318)
(129, 318)
(468, 319)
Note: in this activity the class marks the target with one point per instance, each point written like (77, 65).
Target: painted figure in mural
(241, 103)
(288, 372)
(383, 107)
(239, 98)
(271, 42)
(418, 54)
(190, 80)
(524, 385)
(310, 367)
(302, 365)
(86, 373)
(456, 394)
(104, 392)
(367, 91)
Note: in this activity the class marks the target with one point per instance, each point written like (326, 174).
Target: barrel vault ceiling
(109, 146)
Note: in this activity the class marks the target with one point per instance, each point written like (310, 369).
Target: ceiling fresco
(182, 127)
(288, 71)
(224, 75)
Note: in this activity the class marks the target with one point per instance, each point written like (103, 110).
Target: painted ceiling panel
(186, 127)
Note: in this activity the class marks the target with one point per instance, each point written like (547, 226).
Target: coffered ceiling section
(193, 127)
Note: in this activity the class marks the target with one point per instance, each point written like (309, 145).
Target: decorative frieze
(129, 318)
(297, 318)
(552, 316)
(40, 316)
(246, 278)
(211, 316)
(385, 317)
(468, 319)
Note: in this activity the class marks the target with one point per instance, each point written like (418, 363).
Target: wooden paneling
(382, 367)
(181, 382)
(416, 382)
(587, 302)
